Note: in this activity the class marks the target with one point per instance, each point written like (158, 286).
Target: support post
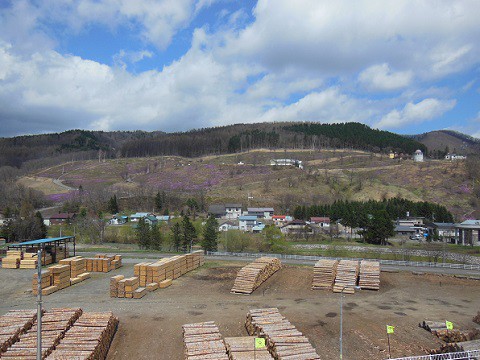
(341, 324)
(39, 305)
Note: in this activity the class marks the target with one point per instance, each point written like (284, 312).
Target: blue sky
(173, 65)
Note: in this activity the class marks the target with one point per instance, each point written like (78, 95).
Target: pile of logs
(55, 323)
(283, 340)
(254, 274)
(369, 275)
(13, 324)
(346, 278)
(243, 348)
(89, 337)
(432, 326)
(324, 274)
(203, 341)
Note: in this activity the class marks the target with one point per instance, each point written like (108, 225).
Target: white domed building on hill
(418, 156)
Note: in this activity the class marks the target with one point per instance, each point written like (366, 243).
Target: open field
(150, 328)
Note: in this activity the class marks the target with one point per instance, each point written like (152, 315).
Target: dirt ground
(150, 328)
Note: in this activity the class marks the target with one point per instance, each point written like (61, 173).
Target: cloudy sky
(173, 65)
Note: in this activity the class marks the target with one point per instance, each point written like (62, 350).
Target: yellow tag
(449, 325)
(259, 343)
(390, 329)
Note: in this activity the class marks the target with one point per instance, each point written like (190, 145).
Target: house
(139, 215)
(62, 218)
(164, 218)
(247, 222)
(405, 230)
(233, 211)
(151, 219)
(322, 222)
(280, 220)
(445, 231)
(298, 227)
(258, 228)
(263, 213)
(453, 157)
(287, 162)
(118, 220)
(411, 225)
(417, 221)
(228, 225)
(225, 211)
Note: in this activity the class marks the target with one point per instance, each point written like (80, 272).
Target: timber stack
(254, 274)
(55, 323)
(369, 275)
(103, 263)
(243, 348)
(476, 319)
(203, 341)
(114, 280)
(12, 260)
(346, 278)
(432, 326)
(29, 261)
(89, 338)
(283, 340)
(324, 274)
(13, 324)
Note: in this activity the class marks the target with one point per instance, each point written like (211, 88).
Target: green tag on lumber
(259, 343)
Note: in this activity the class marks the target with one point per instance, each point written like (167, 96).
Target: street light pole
(39, 305)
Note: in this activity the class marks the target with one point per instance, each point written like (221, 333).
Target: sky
(407, 66)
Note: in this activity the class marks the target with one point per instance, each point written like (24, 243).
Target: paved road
(133, 258)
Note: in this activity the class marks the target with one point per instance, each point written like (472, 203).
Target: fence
(463, 355)
(382, 262)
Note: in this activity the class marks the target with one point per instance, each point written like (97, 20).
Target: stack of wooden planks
(140, 271)
(130, 285)
(12, 260)
(103, 263)
(254, 274)
(114, 280)
(369, 275)
(60, 276)
(283, 340)
(243, 348)
(88, 338)
(203, 341)
(29, 261)
(54, 325)
(45, 281)
(324, 274)
(346, 278)
(77, 269)
(13, 324)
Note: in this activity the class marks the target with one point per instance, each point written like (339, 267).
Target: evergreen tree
(177, 235)
(189, 233)
(158, 201)
(113, 205)
(378, 228)
(210, 235)
(143, 234)
(42, 228)
(156, 237)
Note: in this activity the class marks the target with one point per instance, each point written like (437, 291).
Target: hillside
(329, 175)
(452, 141)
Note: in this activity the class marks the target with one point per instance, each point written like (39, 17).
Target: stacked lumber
(369, 275)
(114, 285)
(45, 283)
(283, 340)
(54, 325)
(60, 276)
(139, 292)
(346, 278)
(77, 269)
(157, 272)
(152, 286)
(117, 262)
(203, 341)
(140, 271)
(61, 254)
(324, 273)
(29, 261)
(12, 260)
(129, 286)
(243, 348)
(103, 263)
(254, 274)
(13, 324)
(89, 338)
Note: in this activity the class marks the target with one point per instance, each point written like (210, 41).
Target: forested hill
(80, 144)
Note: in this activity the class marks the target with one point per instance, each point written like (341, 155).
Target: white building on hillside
(418, 156)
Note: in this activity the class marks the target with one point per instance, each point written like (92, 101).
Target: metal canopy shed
(44, 243)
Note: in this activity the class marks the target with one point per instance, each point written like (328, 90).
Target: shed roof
(260, 209)
(41, 241)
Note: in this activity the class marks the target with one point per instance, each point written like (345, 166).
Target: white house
(453, 157)
(418, 156)
(266, 213)
(247, 222)
(139, 215)
(228, 225)
(323, 222)
(233, 211)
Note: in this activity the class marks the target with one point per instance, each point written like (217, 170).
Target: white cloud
(380, 77)
(416, 113)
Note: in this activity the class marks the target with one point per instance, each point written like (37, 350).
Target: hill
(443, 141)
(249, 178)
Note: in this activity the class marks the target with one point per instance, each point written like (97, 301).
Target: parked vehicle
(416, 237)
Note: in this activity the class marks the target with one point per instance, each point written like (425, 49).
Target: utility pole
(39, 305)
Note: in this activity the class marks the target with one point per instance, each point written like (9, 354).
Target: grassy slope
(328, 175)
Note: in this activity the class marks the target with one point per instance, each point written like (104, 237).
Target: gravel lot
(150, 328)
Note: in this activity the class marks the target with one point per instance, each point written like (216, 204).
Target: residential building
(468, 232)
(262, 213)
(164, 218)
(217, 210)
(297, 227)
(247, 222)
(287, 162)
(151, 219)
(118, 220)
(280, 220)
(139, 215)
(62, 218)
(228, 225)
(233, 211)
(322, 222)
(445, 231)
(418, 156)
